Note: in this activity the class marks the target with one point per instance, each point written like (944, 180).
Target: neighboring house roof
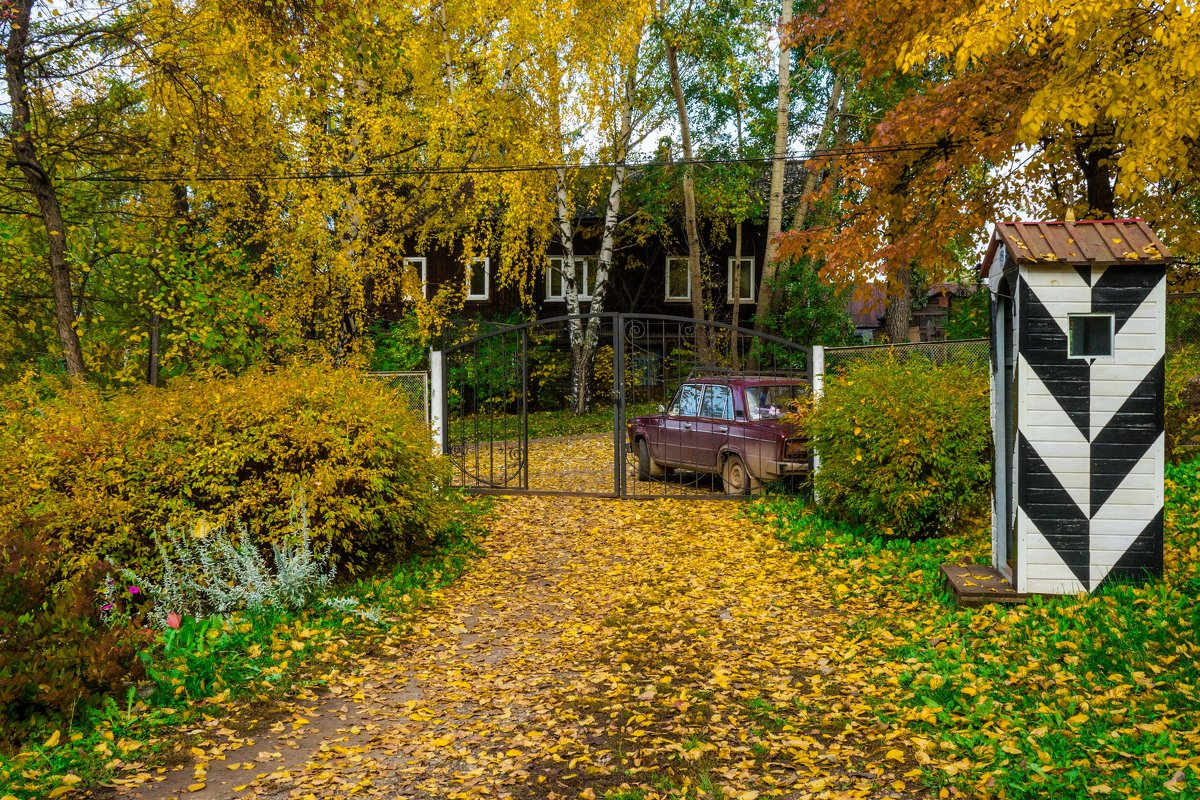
(950, 289)
(1081, 243)
(868, 305)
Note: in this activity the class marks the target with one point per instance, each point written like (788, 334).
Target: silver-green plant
(211, 572)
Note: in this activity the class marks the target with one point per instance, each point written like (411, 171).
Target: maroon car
(727, 426)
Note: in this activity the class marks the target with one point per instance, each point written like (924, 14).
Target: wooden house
(650, 278)
(1078, 321)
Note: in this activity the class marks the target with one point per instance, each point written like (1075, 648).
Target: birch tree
(589, 70)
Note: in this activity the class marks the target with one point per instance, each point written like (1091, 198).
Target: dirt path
(602, 648)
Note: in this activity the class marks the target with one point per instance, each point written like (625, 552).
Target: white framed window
(1091, 335)
(418, 264)
(746, 293)
(585, 277)
(479, 279)
(678, 280)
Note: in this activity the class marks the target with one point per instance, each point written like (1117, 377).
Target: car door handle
(687, 425)
(723, 428)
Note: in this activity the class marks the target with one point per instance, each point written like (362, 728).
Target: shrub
(212, 573)
(905, 447)
(54, 649)
(1183, 403)
(105, 473)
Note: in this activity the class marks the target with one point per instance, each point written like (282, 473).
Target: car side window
(687, 401)
(718, 402)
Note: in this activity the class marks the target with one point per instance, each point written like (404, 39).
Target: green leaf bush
(905, 446)
(105, 473)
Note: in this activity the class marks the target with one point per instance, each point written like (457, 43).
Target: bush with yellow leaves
(904, 445)
(103, 473)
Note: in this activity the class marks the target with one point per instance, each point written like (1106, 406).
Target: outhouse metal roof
(1078, 243)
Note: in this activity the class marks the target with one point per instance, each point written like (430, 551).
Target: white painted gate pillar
(818, 389)
(437, 398)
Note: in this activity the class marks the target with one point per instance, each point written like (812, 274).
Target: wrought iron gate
(513, 420)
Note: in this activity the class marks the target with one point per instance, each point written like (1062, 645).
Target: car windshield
(773, 400)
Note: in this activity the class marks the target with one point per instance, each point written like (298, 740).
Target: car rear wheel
(736, 479)
(647, 467)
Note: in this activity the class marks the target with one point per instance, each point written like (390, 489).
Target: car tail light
(795, 450)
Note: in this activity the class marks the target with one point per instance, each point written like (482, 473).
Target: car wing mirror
(661, 408)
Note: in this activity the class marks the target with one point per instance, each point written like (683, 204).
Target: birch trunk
(766, 292)
(612, 218)
(566, 241)
(25, 156)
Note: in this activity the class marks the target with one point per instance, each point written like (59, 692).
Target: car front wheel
(647, 467)
(736, 479)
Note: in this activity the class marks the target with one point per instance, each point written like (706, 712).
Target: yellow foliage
(105, 473)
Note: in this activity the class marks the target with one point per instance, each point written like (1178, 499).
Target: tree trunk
(766, 292)
(811, 180)
(612, 217)
(566, 241)
(899, 310)
(1094, 162)
(735, 282)
(25, 156)
(689, 203)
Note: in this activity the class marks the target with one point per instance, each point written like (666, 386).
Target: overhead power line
(496, 169)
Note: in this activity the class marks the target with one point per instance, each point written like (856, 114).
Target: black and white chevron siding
(1090, 431)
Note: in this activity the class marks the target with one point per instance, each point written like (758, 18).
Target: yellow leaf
(441, 741)
(1078, 719)
(196, 787)
(70, 779)
(58, 791)
(53, 740)
(895, 755)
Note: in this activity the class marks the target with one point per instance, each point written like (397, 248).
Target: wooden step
(975, 585)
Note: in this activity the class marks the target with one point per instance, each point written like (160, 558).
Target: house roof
(868, 305)
(1083, 243)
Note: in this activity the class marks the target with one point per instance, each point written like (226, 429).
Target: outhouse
(1078, 338)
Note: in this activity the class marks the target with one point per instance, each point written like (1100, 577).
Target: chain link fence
(411, 390)
(839, 359)
(1183, 374)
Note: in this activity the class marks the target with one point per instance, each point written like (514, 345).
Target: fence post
(818, 389)
(437, 398)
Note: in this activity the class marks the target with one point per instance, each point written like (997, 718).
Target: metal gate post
(524, 455)
(437, 399)
(619, 405)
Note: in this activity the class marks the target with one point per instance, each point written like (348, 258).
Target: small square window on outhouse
(1090, 335)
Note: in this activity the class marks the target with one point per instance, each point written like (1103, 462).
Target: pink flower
(134, 590)
(106, 607)
(174, 620)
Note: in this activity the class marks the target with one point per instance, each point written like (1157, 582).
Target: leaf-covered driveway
(602, 648)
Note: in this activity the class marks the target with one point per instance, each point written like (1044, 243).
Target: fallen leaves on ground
(602, 649)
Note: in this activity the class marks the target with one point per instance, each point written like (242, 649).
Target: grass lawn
(542, 424)
(1080, 696)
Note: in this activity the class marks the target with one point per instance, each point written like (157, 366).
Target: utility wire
(500, 168)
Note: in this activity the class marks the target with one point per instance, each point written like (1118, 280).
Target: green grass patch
(205, 666)
(542, 424)
(1079, 696)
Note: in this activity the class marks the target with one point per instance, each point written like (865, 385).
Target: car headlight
(795, 450)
